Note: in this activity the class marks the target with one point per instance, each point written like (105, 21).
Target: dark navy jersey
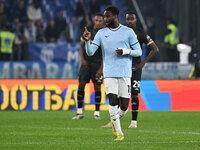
(143, 38)
(97, 57)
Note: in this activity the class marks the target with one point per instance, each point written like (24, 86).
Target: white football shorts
(119, 86)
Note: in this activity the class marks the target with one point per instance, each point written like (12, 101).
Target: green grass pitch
(55, 130)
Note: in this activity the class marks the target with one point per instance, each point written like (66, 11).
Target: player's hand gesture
(86, 35)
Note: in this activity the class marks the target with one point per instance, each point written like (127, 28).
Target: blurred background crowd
(46, 21)
(53, 21)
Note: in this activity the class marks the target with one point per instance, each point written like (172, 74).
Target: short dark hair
(131, 13)
(113, 9)
(98, 14)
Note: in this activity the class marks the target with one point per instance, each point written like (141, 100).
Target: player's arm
(153, 50)
(135, 49)
(83, 61)
(90, 46)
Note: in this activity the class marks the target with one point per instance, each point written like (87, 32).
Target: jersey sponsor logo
(121, 34)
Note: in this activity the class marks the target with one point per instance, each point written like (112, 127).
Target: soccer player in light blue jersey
(118, 43)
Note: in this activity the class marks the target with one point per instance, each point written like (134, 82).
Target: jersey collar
(115, 29)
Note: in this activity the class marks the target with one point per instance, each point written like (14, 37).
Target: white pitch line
(100, 142)
(171, 132)
(51, 128)
(94, 129)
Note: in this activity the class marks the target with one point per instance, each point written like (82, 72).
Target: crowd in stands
(47, 21)
(55, 21)
(29, 23)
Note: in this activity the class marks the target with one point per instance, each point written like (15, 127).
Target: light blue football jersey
(109, 39)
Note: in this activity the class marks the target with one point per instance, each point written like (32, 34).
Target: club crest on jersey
(121, 34)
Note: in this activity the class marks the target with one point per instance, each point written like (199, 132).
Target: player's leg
(135, 89)
(134, 105)
(124, 94)
(80, 97)
(114, 114)
(109, 124)
(111, 85)
(84, 77)
(97, 88)
(123, 109)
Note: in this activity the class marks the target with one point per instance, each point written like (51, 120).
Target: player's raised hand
(86, 35)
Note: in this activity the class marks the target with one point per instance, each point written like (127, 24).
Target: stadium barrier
(69, 70)
(45, 95)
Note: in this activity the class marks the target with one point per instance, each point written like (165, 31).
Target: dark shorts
(135, 81)
(86, 74)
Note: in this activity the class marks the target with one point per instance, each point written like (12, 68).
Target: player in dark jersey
(143, 38)
(137, 66)
(91, 68)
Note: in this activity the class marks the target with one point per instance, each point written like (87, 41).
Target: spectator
(81, 9)
(39, 31)
(51, 33)
(30, 31)
(20, 11)
(151, 27)
(94, 7)
(105, 2)
(4, 14)
(61, 22)
(82, 14)
(195, 72)
(19, 40)
(34, 11)
(171, 40)
(7, 38)
(72, 31)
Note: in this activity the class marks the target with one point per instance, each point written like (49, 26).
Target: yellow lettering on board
(54, 97)
(87, 94)
(14, 97)
(35, 90)
(68, 98)
(47, 100)
(103, 94)
(5, 93)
